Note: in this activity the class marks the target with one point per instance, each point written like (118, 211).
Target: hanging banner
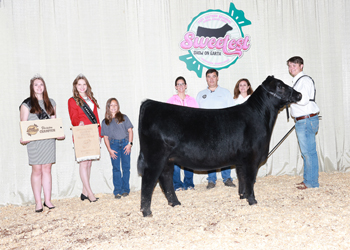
(214, 39)
(86, 142)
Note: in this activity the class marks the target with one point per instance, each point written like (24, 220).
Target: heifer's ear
(270, 77)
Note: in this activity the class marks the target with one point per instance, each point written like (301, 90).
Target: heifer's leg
(149, 181)
(241, 181)
(250, 177)
(150, 176)
(166, 183)
(246, 179)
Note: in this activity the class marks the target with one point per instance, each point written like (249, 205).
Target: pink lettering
(220, 43)
(236, 47)
(211, 43)
(202, 42)
(245, 45)
(227, 45)
(231, 44)
(187, 43)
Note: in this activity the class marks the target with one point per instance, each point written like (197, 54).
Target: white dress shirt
(240, 99)
(304, 107)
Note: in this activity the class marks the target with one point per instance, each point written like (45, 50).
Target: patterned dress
(41, 151)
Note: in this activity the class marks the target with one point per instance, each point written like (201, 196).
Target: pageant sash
(41, 116)
(89, 113)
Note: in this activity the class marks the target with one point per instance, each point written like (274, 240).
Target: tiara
(36, 76)
(80, 75)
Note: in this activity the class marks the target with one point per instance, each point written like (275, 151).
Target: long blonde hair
(89, 92)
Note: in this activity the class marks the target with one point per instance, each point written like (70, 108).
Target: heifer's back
(199, 139)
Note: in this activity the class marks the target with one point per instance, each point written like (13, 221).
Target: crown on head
(36, 76)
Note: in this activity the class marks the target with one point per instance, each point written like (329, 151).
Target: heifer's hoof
(243, 196)
(252, 201)
(147, 214)
(173, 204)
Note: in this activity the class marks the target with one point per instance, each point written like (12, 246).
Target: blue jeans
(225, 174)
(188, 179)
(306, 130)
(120, 179)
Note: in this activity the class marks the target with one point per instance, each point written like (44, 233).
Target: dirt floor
(284, 218)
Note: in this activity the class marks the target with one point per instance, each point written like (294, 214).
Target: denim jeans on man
(120, 179)
(306, 130)
(188, 179)
(225, 174)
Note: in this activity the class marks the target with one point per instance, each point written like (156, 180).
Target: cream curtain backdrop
(130, 50)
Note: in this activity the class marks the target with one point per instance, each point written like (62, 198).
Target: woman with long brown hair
(118, 135)
(41, 153)
(242, 91)
(81, 104)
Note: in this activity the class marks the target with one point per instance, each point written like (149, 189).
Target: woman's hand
(61, 138)
(24, 114)
(127, 149)
(23, 142)
(113, 154)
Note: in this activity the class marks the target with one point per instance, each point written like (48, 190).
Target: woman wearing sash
(82, 109)
(41, 153)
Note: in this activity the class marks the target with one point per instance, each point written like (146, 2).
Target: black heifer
(207, 139)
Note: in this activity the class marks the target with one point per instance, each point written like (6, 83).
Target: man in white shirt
(305, 112)
(215, 97)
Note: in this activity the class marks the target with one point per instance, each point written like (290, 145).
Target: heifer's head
(280, 90)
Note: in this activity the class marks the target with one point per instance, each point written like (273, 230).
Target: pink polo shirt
(188, 102)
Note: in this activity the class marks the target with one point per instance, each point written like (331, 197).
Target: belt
(305, 116)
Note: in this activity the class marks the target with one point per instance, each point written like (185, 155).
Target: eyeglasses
(180, 84)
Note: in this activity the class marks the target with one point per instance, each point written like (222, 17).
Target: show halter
(279, 97)
(290, 131)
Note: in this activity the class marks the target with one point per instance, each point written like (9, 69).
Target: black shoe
(39, 210)
(83, 197)
(48, 206)
(211, 185)
(91, 200)
(229, 183)
(125, 194)
(118, 196)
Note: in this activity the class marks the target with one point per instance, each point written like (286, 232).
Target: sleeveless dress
(41, 151)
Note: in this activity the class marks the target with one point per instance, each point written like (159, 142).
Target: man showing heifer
(305, 113)
(215, 97)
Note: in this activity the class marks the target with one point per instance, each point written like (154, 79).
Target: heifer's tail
(141, 164)
(141, 114)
